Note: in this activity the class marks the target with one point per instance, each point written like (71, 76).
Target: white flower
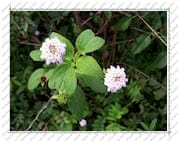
(53, 50)
(83, 123)
(115, 79)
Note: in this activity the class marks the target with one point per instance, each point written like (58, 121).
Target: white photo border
(112, 5)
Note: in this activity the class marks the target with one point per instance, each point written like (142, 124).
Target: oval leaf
(143, 41)
(88, 65)
(63, 79)
(34, 79)
(153, 124)
(94, 83)
(35, 55)
(77, 104)
(87, 42)
(123, 23)
(161, 61)
(83, 38)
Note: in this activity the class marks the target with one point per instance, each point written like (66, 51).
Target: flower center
(117, 78)
(52, 49)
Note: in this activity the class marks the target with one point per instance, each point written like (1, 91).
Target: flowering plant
(67, 66)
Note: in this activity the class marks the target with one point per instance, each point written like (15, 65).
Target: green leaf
(161, 61)
(145, 126)
(69, 46)
(96, 84)
(62, 98)
(143, 41)
(77, 104)
(63, 79)
(83, 38)
(35, 79)
(50, 73)
(153, 124)
(159, 94)
(87, 42)
(123, 23)
(114, 127)
(35, 55)
(88, 65)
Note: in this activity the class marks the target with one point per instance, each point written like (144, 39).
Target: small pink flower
(115, 79)
(83, 123)
(53, 50)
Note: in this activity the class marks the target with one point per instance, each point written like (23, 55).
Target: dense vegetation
(133, 40)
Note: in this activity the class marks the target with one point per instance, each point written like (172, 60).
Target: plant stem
(153, 30)
(152, 79)
(38, 114)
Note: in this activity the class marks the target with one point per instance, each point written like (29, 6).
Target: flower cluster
(53, 50)
(115, 79)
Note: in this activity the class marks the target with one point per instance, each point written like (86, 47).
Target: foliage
(95, 40)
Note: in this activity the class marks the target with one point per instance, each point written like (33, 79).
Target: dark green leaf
(153, 124)
(96, 84)
(159, 94)
(143, 41)
(161, 61)
(145, 126)
(77, 104)
(123, 23)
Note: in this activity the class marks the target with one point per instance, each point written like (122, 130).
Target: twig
(121, 42)
(152, 79)
(17, 26)
(156, 34)
(30, 43)
(102, 28)
(38, 114)
(87, 20)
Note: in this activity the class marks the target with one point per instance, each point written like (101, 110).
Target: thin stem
(17, 26)
(155, 33)
(29, 43)
(152, 79)
(38, 114)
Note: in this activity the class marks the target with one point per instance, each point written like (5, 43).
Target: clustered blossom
(83, 122)
(115, 79)
(53, 50)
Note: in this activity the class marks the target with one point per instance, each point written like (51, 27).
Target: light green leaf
(69, 46)
(153, 124)
(77, 104)
(83, 38)
(63, 79)
(143, 41)
(50, 73)
(35, 55)
(87, 42)
(35, 79)
(123, 23)
(88, 65)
